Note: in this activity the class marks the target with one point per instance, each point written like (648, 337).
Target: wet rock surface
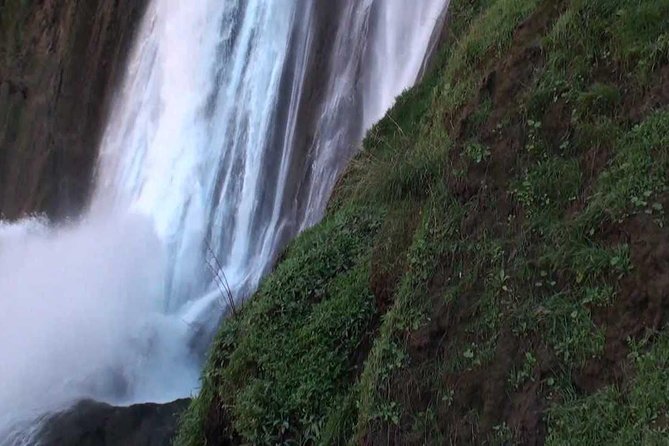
(90, 423)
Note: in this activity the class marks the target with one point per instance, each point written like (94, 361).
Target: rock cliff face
(58, 62)
(97, 424)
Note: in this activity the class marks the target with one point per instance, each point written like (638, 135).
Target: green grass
(637, 414)
(408, 313)
(287, 362)
(638, 173)
(435, 266)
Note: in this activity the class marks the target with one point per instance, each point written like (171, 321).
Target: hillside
(494, 265)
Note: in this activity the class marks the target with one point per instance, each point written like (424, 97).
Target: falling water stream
(225, 140)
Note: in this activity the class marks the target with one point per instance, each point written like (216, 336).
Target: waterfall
(225, 140)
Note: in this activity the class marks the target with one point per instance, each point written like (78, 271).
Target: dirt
(480, 390)
(656, 96)
(641, 306)
(218, 429)
(389, 259)
(484, 400)
(504, 85)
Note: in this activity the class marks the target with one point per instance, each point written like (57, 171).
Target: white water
(205, 149)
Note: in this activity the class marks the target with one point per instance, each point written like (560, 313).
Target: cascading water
(225, 141)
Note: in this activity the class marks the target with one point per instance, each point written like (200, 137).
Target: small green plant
(534, 142)
(546, 190)
(502, 435)
(571, 331)
(524, 373)
(390, 412)
(448, 397)
(598, 296)
(477, 152)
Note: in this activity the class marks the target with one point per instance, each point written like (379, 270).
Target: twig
(221, 280)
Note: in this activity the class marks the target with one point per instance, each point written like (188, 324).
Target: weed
(477, 152)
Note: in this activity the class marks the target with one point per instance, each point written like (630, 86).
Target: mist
(81, 311)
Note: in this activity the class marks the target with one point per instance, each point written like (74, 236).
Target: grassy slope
(494, 267)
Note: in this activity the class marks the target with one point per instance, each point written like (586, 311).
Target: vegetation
(493, 268)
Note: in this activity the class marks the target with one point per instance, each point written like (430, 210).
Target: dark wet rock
(90, 423)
